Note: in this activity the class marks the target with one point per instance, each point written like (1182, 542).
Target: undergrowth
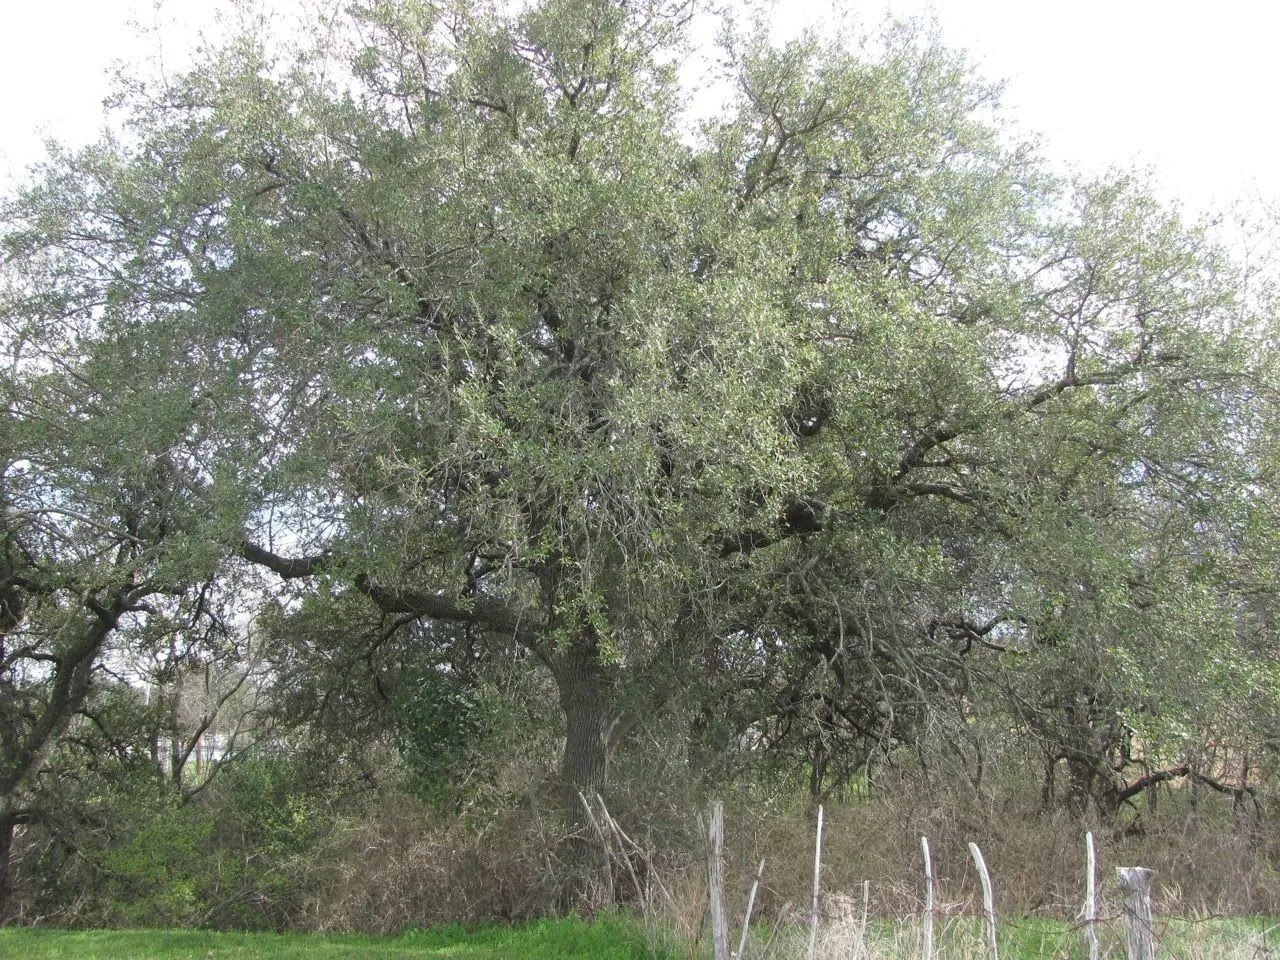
(391, 864)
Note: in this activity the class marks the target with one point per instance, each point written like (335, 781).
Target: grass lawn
(615, 938)
(609, 939)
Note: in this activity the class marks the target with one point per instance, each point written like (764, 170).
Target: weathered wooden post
(860, 942)
(817, 885)
(746, 920)
(715, 883)
(1139, 936)
(1090, 917)
(927, 920)
(988, 900)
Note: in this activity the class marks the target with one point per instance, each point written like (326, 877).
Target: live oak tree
(107, 542)
(787, 418)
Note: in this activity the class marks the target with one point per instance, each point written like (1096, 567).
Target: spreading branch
(489, 613)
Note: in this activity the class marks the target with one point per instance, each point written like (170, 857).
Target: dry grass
(402, 865)
(1209, 869)
(961, 940)
(1205, 865)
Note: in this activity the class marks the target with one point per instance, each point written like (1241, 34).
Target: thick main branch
(489, 613)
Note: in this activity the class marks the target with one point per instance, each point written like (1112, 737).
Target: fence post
(927, 920)
(988, 900)
(1090, 917)
(1139, 937)
(715, 883)
(860, 943)
(817, 875)
(746, 921)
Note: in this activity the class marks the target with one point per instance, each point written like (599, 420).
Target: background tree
(109, 530)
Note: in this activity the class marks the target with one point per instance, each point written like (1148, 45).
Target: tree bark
(591, 715)
(8, 824)
(72, 674)
(588, 698)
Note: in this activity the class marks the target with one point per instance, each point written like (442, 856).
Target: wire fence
(1115, 920)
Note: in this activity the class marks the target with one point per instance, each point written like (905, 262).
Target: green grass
(616, 938)
(607, 939)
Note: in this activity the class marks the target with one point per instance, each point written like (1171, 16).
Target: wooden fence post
(1139, 937)
(715, 883)
(988, 900)
(860, 943)
(817, 882)
(746, 921)
(1090, 918)
(927, 920)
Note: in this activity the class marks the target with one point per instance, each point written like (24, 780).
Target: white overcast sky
(1186, 89)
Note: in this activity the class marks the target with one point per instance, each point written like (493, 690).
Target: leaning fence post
(988, 900)
(1090, 917)
(746, 921)
(1139, 937)
(715, 883)
(928, 900)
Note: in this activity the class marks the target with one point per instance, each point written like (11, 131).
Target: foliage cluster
(138, 856)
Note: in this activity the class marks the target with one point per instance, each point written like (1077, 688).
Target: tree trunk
(588, 698)
(591, 716)
(1081, 777)
(1048, 785)
(8, 823)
